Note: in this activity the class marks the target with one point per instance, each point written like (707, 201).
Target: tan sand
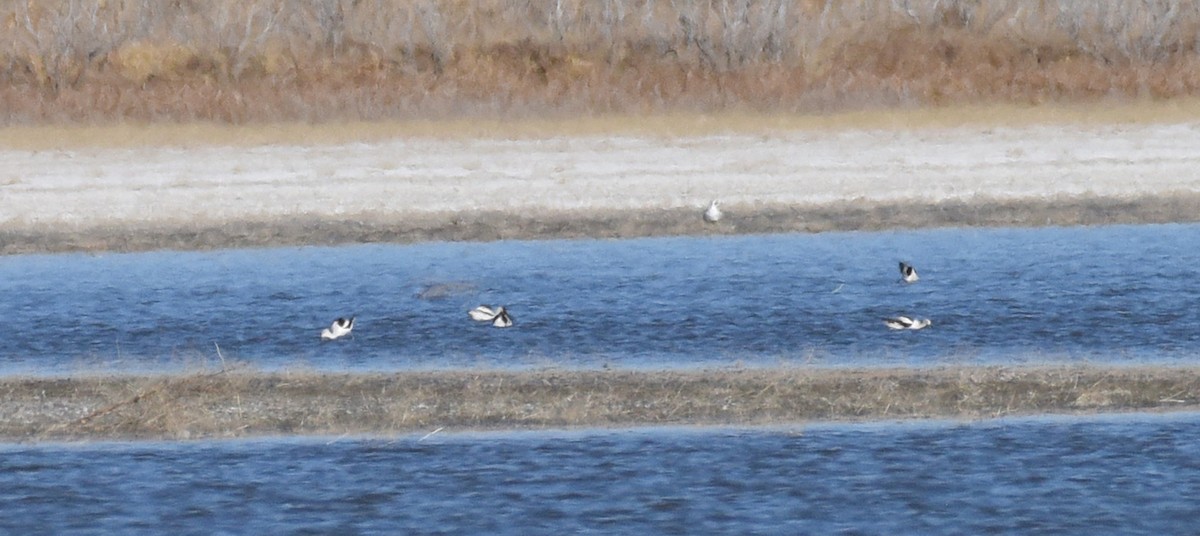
(633, 183)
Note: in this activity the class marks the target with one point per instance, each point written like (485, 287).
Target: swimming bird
(904, 322)
(499, 316)
(339, 328)
(908, 274)
(713, 214)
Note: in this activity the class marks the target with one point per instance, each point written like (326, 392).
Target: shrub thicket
(323, 60)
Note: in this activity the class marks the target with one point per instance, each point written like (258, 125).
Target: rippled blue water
(1126, 475)
(1109, 294)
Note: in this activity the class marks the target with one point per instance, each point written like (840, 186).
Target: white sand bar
(411, 176)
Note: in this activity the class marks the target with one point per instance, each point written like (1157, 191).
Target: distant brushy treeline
(67, 61)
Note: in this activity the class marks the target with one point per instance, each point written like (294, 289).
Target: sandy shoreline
(621, 185)
(244, 403)
(628, 223)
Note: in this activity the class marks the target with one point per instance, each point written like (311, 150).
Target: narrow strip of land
(246, 403)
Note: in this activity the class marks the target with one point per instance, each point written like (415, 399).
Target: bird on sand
(713, 213)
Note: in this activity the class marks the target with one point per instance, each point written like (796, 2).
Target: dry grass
(240, 403)
(227, 61)
(486, 226)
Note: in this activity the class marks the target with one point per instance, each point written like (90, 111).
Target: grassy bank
(230, 61)
(240, 403)
(615, 223)
(666, 125)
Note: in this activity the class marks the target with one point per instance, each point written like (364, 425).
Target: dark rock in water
(441, 291)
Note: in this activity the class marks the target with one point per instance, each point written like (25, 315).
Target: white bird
(499, 317)
(908, 274)
(713, 214)
(339, 328)
(482, 313)
(904, 322)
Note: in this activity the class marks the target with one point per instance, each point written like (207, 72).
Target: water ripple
(1102, 294)
(1128, 475)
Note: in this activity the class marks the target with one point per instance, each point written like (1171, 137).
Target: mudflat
(472, 226)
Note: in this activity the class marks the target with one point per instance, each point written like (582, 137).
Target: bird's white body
(904, 322)
(713, 213)
(340, 328)
(502, 320)
(908, 274)
(499, 317)
(482, 313)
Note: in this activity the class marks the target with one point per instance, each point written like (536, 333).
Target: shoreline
(484, 226)
(242, 403)
(540, 182)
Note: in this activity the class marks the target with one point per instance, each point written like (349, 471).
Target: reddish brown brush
(228, 61)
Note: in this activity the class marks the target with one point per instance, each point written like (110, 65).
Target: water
(1114, 294)
(1102, 294)
(1118, 475)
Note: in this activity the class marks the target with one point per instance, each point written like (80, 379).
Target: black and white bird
(908, 274)
(904, 322)
(713, 213)
(499, 317)
(340, 328)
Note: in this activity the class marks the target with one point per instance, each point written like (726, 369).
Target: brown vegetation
(70, 61)
(246, 403)
(665, 126)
